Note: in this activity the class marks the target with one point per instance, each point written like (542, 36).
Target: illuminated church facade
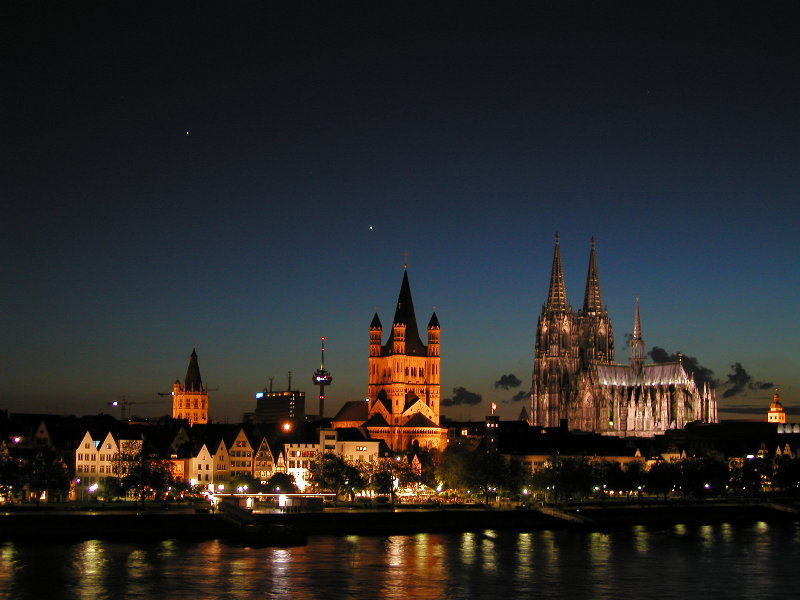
(190, 400)
(404, 390)
(577, 382)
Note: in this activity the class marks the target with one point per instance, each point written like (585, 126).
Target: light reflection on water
(732, 561)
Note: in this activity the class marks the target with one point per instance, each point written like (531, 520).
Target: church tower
(556, 353)
(404, 379)
(596, 336)
(190, 400)
(776, 414)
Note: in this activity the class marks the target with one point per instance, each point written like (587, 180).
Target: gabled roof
(355, 410)
(419, 420)
(658, 374)
(384, 400)
(376, 420)
(411, 400)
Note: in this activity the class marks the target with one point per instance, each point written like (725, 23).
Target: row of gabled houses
(216, 456)
(212, 456)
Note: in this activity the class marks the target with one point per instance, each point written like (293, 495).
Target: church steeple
(637, 343)
(404, 387)
(190, 401)
(193, 383)
(557, 295)
(404, 324)
(592, 302)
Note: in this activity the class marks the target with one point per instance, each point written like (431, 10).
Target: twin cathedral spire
(577, 384)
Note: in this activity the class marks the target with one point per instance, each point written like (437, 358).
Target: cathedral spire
(637, 343)
(592, 302)
(557, 296)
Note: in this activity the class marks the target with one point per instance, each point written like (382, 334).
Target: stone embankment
(38, 526)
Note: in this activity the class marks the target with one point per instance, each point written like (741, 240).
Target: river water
(682, 561)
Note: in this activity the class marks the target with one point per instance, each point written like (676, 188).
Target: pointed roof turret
(193, 383)
(592, 302)
(637, 343)
(557, 295)
(376, 323)
(434, 322)
(404, 315)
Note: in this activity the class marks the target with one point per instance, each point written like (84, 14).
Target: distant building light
(260, 395)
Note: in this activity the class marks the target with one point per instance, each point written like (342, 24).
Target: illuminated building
(404, 381)
(576, 380)
(776, 413)
(190, 400)
(350, 444)
(276, 407)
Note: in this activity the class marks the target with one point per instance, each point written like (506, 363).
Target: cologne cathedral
(577, 383)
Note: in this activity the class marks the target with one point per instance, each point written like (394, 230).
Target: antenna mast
(322, 378)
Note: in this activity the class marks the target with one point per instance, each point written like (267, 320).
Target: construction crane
(124, 403)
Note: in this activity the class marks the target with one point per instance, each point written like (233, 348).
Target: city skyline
(247, 182)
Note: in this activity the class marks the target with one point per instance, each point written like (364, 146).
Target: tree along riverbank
(145, 525)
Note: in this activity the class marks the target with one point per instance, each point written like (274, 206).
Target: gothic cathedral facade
(576, 381)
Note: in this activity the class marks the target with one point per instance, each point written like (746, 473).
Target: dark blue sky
(325, 142)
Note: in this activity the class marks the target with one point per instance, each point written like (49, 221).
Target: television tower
(322, 378)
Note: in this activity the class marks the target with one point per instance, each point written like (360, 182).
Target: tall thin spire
(557, 296)
(637, 343)
(592, 302)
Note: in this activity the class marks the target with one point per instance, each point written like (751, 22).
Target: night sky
(244, 181)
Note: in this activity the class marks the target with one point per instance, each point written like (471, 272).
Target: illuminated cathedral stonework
(576, 380)
(404, 380)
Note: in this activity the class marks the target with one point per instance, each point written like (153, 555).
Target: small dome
(776, 405)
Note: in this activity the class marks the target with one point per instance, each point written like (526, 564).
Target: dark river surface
(680, 561)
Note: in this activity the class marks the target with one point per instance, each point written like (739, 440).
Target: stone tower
(556, 352)
(190, 400)
(595, 334)
(404, 379)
